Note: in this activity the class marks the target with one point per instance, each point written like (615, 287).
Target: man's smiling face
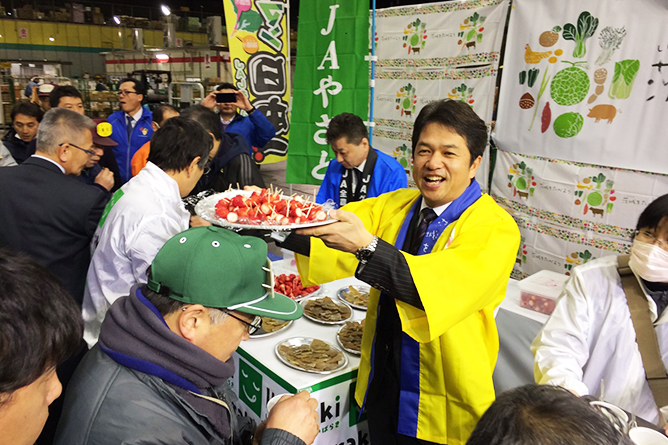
(442, 167)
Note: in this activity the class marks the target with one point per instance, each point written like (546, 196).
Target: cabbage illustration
(570, 85)
(568, 124)
(595, 199)
(622, 80)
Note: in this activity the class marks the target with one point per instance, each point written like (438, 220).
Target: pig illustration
(603, 112)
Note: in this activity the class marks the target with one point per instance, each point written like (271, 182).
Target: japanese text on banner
(331, 77)
(259, 49)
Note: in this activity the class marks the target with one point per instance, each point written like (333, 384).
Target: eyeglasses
(207, 168)
(648, 237)
(125, 92)
(89, 152)
(253, 326)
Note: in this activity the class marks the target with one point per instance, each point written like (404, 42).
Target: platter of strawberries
(265, 209)
(291, 286)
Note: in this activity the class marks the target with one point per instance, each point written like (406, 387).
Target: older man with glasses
(160, 371)
(47, 214)
(51, 216)
(131, 125)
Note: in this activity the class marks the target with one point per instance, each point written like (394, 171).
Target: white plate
(338, 340)
(341, 293)
(206, 208)
(317, 320)
(261, 333)
(647, 436)
(298, 341)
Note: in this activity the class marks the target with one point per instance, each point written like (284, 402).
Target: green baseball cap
(217, 268)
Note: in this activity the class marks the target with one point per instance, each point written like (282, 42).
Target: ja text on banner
(331, 77)
(587, 82)
(258, 38)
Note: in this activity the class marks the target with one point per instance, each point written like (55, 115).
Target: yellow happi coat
(460, 284)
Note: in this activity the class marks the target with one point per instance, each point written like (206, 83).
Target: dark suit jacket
(51, 217)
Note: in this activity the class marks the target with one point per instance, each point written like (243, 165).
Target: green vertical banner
(331, 77)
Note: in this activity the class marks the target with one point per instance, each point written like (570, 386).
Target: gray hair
(216, 316)
(61, 125)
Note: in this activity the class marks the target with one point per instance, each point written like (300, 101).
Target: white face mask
(649, 261)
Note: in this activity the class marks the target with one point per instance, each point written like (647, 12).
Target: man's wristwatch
(365, 253)
(250, 111)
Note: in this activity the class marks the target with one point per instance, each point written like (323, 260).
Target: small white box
(540, 291)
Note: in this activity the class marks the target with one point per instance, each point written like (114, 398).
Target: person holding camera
(254, 127)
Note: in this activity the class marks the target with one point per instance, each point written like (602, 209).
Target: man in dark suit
(44, 212)
(48, 214)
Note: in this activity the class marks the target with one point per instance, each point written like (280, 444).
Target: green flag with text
(331, 77)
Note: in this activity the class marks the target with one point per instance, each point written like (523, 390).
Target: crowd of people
(112, 289)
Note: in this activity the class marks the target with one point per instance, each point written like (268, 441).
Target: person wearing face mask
(590, 337)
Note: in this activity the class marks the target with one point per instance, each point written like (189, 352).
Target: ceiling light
(52, 38)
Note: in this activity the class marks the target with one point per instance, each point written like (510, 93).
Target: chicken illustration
(534, 57)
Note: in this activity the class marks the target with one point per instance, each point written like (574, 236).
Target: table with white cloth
(517, 327)
(260, 374)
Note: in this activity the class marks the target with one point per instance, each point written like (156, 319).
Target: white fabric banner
(429, 52)
(562, 206)
(587, 81)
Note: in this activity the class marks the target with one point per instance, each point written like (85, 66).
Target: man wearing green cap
(159, 371)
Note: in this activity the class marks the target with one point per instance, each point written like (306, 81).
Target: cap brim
(107, 142)
(274, 306)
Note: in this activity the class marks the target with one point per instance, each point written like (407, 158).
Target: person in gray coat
(159, 373)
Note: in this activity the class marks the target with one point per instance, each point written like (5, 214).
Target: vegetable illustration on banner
(471, 31)
(577, 258)
(580, 32)
(403, 154)
(415, 36)
(462, 93)
(592, 197)
(258, 50)
(406, 100)
(521, 180)
(521, 252)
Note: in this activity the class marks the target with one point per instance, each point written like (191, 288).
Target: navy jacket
(388, 176)
(51, 217)
(125, 149)
(255, 128)
(19, 149)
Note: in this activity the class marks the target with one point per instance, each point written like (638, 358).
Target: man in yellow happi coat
(439, 261)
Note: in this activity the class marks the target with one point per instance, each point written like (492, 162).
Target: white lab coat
(590, 337)
(149, 212)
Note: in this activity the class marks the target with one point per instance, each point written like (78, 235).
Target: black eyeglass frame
(88, 152)
(252, 327)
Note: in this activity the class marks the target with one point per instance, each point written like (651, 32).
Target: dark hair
(40, 324)
(28, 109)
(178, 142)
(138, 85)
(653, 213)
(159, 112)
(458, 117)
(348, 125)
(63, 91)
(162, 303)
(545, 415)
(226, 86)
(206, 118)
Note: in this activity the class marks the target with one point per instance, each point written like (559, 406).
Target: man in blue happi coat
(359, 171)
